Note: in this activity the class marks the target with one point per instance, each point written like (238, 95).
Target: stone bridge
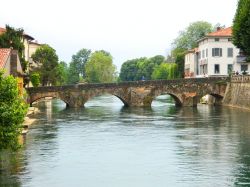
(186, 92)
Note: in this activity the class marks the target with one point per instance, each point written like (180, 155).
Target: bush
(12, 112)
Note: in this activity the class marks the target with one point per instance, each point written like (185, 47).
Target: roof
(221, 32)
(4, 54)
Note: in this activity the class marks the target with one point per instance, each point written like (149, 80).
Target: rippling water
(107, 145)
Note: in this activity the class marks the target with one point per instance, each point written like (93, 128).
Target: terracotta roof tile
(222, 32)
(4, 54)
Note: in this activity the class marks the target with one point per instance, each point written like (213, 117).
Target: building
(216, 56)
(10, 63)
(190, 61)
(30, 46)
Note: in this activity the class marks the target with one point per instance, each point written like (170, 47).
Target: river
(108, 145)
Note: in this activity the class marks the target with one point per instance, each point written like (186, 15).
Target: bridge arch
(177, 99)
(106, 92)
(35, 97)
(212, 98)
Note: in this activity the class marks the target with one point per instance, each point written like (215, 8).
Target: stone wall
(238, 92)
(186, 92)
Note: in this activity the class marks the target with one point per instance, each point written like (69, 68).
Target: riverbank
(28, 120)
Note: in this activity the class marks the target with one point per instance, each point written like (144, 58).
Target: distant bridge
(186, 92)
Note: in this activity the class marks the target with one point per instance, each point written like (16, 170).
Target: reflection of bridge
(186, 92)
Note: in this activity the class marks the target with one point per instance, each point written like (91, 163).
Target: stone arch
(36, 97)
(177, 99)
(117, 94)
(213, 98)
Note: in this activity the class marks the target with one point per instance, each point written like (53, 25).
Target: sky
(126, 28)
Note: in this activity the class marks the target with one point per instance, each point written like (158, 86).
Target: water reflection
(107, 144)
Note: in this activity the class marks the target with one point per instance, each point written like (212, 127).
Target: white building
(216, 56)
(190, 61)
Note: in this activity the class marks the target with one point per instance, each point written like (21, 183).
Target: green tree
(100, 68)
(140, 68)
(241, 27)
(47, 58)
(61, 73)
(12, 112)
(13, 38)
(35, 79)
(129, 70)
(165, 71)
(79, 60)
(188, 38)
(73, 74)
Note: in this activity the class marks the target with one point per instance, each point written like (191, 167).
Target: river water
(107, 145)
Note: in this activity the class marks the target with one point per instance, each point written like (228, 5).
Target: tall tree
(129, 70)
(61, 73)
(79, 60)
(241, 27)
(13, 38)
(100, 68)
(12, 112)
(47, 59)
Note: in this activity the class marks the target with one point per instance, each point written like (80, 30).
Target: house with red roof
(216, 55)
(10, 64)
(30, 46)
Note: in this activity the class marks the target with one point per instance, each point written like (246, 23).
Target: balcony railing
(241, 59)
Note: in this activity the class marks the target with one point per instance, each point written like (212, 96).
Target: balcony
(241, 59)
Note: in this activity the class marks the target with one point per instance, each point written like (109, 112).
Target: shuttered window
(217, 52)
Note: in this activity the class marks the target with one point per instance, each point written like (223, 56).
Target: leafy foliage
(100, 68)
(12, 112)
(61, 73)
(165, 71)
(35, 79)
(47, 58)
(141, 68)
(13, 38)
(241, 27)
(80, 59)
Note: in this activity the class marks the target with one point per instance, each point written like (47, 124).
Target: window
(244, 67)
(217, 52)
(206, 52)
(217, 39)
(203, 53)
(229, 52)
(229, 68)
(229, 39)
(199, 55)
(216, 69)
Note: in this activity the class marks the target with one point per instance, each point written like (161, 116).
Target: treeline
(85, 67)
(148, 69)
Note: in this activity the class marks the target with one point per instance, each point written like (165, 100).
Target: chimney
(218, 28)
(13, 63)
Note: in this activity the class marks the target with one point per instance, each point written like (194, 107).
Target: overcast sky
(126, 28)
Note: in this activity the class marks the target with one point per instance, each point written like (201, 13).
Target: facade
(217, 55)
(190, 59)
(10, 63)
